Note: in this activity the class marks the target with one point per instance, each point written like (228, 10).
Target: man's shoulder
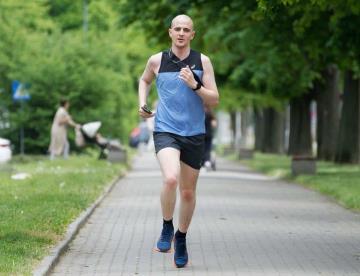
(204, 58)
(155, 59)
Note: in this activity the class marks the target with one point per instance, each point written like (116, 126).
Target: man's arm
(145, 83)
(208, 92)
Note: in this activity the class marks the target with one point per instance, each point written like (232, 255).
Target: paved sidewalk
(244, 224)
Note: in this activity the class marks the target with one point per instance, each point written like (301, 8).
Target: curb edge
(49, 262)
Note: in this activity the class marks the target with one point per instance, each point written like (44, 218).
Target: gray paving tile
(244, 224)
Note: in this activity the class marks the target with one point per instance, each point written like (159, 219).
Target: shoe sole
(165, 251)
(184, 266)
(155, 249)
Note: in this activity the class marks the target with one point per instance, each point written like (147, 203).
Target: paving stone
(244, 224)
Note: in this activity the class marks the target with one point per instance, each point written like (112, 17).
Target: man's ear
(193, 35)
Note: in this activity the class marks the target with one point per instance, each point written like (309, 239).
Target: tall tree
(348, 145)
(275, 48)
(328, 112)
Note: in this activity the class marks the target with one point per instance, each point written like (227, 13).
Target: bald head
(181, 19)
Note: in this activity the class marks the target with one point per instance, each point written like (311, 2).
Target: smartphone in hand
(146, 109)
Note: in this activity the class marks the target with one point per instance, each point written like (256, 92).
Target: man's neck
(181, 53)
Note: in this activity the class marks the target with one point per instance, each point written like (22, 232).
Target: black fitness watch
(198, 86)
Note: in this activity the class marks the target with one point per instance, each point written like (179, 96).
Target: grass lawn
(341, 182)
(35, 212)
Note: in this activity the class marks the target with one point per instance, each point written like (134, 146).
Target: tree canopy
(265, 53)
(43, 44)
(276, 49)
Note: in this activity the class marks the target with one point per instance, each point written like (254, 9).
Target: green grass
(340, 182)
(35, 212)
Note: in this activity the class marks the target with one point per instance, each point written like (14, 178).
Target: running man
(185, 83)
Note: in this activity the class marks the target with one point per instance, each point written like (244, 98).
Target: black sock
(168, 222)
(180, 235)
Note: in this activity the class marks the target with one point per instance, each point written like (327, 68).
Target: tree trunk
(300, 134)
(274, 124)
(328, 114)
(259, 129)
(233, 127)
(244, 126)
(348, 138)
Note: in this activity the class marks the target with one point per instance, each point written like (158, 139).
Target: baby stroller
(88, 134)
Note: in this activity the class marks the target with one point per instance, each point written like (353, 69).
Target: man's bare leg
(187, 187)
(169, 160)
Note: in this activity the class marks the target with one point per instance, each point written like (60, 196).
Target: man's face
(181, 33)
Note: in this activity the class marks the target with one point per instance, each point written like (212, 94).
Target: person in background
(210, 125)
(59, 144)
(144, 135)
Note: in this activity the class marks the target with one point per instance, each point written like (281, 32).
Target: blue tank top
(180, 110)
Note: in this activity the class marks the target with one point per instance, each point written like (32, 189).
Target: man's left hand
(187, 76)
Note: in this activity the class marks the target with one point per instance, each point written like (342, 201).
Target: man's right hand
(144, 114)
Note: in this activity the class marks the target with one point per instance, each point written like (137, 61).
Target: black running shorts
(191, 147)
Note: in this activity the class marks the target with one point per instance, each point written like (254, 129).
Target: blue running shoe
(166, 237)
(181, 255)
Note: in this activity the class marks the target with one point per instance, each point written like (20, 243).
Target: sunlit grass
(35, 212)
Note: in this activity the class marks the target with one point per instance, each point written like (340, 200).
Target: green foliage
(97, 70)
(155, 18)
(101, 16)
(67, 13)
(233, 99)
(264, 53)
(327, 30)
(273, 49)
(93, 84)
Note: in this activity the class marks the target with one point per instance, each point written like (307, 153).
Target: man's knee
(171, 182)
(188, 194)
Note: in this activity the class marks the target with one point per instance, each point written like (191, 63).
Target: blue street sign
(20, 91)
